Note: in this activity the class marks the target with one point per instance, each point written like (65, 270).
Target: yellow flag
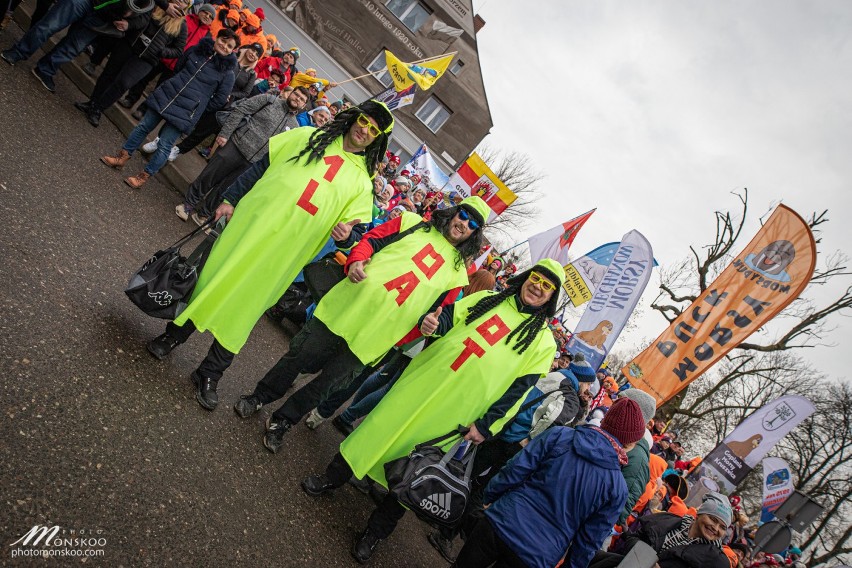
(425, 74)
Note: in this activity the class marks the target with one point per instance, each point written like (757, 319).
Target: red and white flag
(554, 243)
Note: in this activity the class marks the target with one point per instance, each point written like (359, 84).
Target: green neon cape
(431, 399)
(403, 281)
(277, 228)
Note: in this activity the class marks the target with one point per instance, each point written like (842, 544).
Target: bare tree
(820, 450)
(520, 174)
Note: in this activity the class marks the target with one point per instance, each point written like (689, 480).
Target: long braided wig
(322, 137)
(469, 248)
(526, 333)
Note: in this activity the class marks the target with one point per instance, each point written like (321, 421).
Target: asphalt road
(96, 435)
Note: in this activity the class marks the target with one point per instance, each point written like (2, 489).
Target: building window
(412, 13)
(457, 67)
(377, 65)
(433, 114)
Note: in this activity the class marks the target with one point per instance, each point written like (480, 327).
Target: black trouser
(205, 126)
(224, 167)
(385, 516)
(484, 548)
(218, 358)
(136, 91)
(121, 72)
(337, 397)
(313, 349)
(101, 48)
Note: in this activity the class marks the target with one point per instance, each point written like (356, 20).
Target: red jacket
(195, 31)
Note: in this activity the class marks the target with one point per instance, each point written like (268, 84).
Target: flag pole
(515, 246)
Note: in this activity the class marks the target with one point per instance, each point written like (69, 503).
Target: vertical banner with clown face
(763, 279)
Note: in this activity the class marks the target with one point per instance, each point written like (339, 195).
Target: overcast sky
(654, 112)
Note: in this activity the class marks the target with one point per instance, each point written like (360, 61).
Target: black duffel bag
(164, 284)
(433, 483)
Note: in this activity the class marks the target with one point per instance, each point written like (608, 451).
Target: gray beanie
(209, 8)
(716, 505)
(646, 402)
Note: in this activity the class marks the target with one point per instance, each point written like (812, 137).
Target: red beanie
(624, 421)
(259, 13)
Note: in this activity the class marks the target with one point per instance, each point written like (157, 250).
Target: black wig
(470, 248)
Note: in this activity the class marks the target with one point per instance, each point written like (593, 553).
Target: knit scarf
(622, 455)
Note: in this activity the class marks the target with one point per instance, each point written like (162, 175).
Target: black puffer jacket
(243, 83)
(153, 43)
(203, 80)
(653, 531)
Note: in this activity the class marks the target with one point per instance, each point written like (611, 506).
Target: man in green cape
(493, 347)
(313, 183)
(398, 271)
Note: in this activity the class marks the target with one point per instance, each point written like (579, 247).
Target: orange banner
(762, 280)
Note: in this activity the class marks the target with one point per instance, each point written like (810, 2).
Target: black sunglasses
(465, 216)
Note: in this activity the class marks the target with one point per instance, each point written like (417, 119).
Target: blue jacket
(203, 80)
(564, 489)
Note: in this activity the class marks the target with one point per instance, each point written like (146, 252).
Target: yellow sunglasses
(542, 282)
(364, 121)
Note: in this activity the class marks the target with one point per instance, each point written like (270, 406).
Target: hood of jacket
(205, 46)
(594, 447)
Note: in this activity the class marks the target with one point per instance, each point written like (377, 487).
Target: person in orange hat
(271, 43)
(235, 5)
(225, 18)
(250, 32)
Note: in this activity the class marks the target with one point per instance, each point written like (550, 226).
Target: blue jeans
(63, 14)
(168, 136)
(370, 394)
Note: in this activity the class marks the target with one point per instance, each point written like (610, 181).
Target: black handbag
(433, 483)
(321, 276)
(164, 284)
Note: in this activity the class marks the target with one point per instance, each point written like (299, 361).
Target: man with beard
(313, 183)
(243, 140)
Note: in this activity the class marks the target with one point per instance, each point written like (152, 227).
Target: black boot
(317, 485)
(84, 107)
(94, 117)
(162, 345)
(274, 436)
(342, 426)
(365, 546)
(247, 405)
(205, 391)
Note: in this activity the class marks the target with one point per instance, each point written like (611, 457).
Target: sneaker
(151, 146)
(162, 345)
(365, 546)
(342, 426)
(314, 419)
(46, 81)
(198, 219)
(442, 545)
(247, 405)
(174, 153)
(182, 212)
(274, 436)
(205, 153)
(90, 69)
(315, 485)
(9, 57)
(205, 391)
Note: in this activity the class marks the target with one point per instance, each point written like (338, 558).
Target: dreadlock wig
(526, 333)
(319, 140)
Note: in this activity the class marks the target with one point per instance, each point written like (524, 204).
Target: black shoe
(94, 117)
(126, 102)
(315, 485)
(9, 57)
(162, 345)
(342, 426)
(247, 405)
(274, 436)
(365, 546)
(442, 545)
(85, 107)
(45, 80)
(205, 391)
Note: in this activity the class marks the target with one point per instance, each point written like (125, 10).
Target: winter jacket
(653, 530)
(203, 81)
(554, 390)
(564, 489)
(195, 32)
(243, 82)
(637, 474)
(254, 121)
(154, 43)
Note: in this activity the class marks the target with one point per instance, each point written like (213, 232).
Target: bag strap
(459, 430)
(183, 240)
